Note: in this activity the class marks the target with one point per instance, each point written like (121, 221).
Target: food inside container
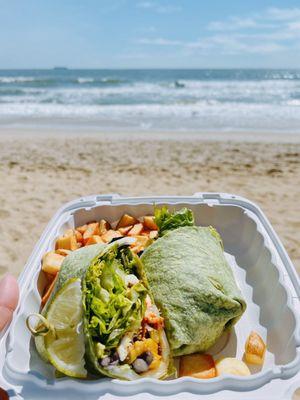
(125, 297)
(240, 345)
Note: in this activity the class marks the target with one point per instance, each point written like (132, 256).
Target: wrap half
(193, 286)
(123, 330)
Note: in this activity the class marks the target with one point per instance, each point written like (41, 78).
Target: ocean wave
(29, 82)
(112, 80)
(293, 102)
(187, 110)
(199, 116)
(138, 92)
(16, 79)
(87, 89)
(107, 81)
(11, 92)
(85, 80)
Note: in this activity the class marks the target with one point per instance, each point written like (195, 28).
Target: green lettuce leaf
(167, 221)
(111, 307)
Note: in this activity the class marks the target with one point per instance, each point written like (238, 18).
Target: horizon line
(64, 68)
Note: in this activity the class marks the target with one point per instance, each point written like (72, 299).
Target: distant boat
(60, 68)
(179, 85)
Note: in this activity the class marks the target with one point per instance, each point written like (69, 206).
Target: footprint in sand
(4, 214)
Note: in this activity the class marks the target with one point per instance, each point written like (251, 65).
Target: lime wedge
(65, 342)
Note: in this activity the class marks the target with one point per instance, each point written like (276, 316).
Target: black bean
(147, 356)
(115, 357)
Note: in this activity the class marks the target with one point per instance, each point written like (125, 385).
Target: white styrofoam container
(262, 269)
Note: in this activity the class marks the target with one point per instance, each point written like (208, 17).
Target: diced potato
(255, 349)
(153, 234)
(94, 240)
(52, 262)
(69, 232)
(104, 226)
(126, 220)
(82, 228)
(149, 234)
(149, 223)
(66, 242)
(232, 366)
(63, 252)
(92, 229)
(136, 230)
(139, 244)
(49, 290)
(145, 232)
(200, 366)
(125, 230)
(79, 236)
(109, 235)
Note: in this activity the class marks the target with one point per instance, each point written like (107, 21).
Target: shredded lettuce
(112, 308)
(166, 221)
(216, 234)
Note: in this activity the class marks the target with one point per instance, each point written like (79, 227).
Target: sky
(149, 34)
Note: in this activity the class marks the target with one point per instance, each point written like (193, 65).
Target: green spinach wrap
(123, 330)
(191, 282)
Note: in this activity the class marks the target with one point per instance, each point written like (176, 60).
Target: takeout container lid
(277, 381)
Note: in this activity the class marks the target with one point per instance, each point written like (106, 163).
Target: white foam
(11, 79)
(85, 80)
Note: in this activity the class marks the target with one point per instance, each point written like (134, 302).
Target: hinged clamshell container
(261, 267)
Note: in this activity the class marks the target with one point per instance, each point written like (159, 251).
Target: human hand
(9, 297)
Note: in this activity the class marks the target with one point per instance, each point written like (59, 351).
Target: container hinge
(208, 198)
(106, 197)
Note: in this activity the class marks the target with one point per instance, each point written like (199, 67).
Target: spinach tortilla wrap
(123, 330)
(191, 282)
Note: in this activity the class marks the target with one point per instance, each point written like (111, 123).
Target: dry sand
(39, 175)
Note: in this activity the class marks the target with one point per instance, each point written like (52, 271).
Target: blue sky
(146, 33)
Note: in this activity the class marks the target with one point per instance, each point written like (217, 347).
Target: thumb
(9, 297)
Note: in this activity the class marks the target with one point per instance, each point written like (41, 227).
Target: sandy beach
(39, 174)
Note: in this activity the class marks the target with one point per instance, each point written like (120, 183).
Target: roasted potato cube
(149, 234)
(136, 230)
(145, 232)
(232, 366)
(82, 228)
(197, 365)
(139, 244)
(92, 229)
(66, 242)
(104, 226)
(126, 220)
(69, 232)
(149, 223)
(94, 240)
(109, 235)
(79, 236)
(125, 230)
(153, 234)
(255, 349)
(63, 252)
(51, 262)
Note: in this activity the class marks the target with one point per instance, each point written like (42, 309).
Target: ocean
(235, 100)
